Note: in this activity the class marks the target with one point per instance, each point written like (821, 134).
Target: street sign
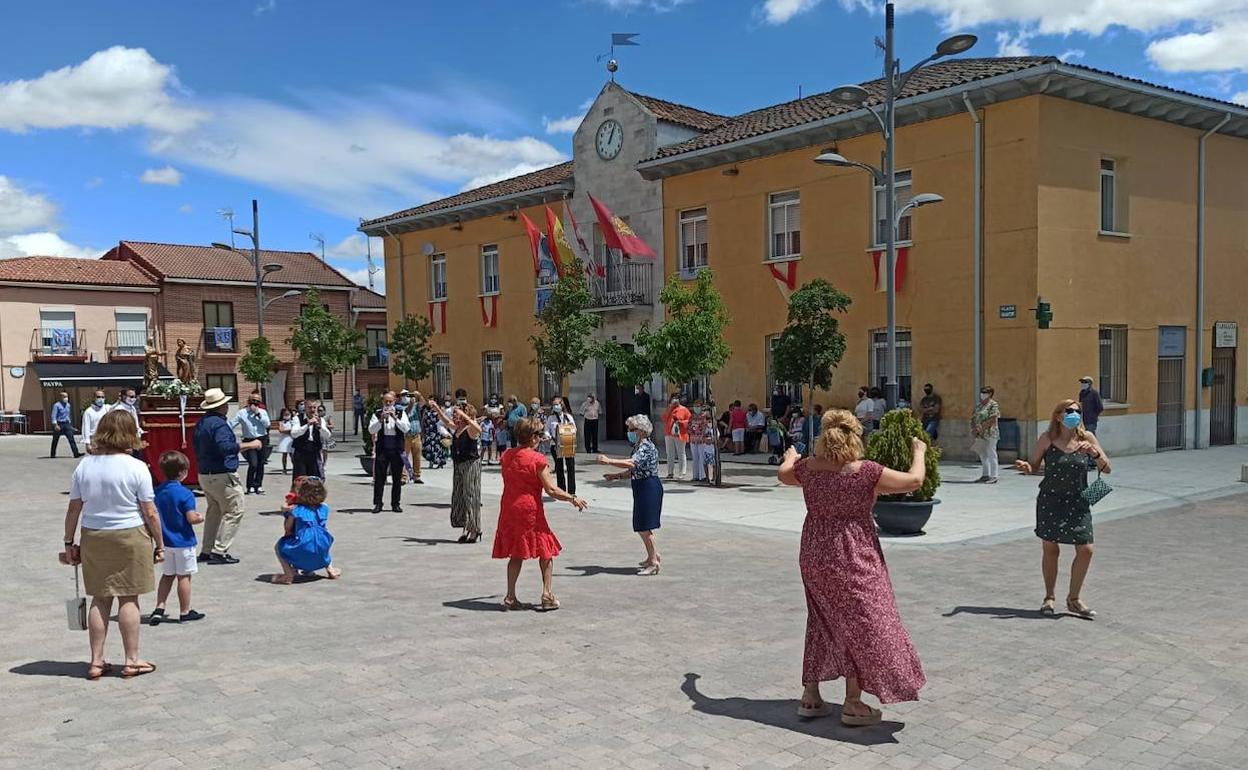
(1008, 311)
(1226, 334)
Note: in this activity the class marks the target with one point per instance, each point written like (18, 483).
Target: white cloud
(1013, 43)
(93, 182)
(1220, 48)
(21, 210)
(1241, 98)
(168, 175)
(43, 244)
(566, 125)
(354, 247)
(662, 6)
(266, 6)
(115, 88)
(780, 11)
(360, 277)
(186, 208)
(1072, 53)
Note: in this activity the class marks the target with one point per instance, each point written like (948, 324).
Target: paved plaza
(407, 662)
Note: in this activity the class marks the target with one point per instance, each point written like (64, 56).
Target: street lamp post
(286, 295)
(262, 271)
(894, 83)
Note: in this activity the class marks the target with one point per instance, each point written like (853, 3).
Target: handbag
(76, 608)
(1096, 491)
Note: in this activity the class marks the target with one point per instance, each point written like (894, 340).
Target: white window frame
(905, 361)
(490, 279)
(441, 375)
(695, 253)
(1113, 363)
(1109, 188)
(905, 226)
(784, 207)
(437, 277)
(489, 372)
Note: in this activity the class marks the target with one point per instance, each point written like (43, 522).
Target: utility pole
(890, 206)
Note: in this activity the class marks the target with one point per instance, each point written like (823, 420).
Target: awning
(54, 374)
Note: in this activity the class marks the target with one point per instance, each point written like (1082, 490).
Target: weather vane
(620, 39)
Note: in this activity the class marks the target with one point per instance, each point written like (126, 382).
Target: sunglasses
(1072, 410)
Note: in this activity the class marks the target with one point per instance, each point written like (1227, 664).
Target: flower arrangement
(174, 388)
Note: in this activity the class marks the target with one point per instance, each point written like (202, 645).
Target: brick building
(369, 316)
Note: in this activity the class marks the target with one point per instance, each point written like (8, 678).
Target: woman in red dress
(522, 532)
(852, 626)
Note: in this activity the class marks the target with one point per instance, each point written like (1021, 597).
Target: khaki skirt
(117, 562)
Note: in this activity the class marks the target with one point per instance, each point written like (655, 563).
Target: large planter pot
(366, 463)
(903, 518)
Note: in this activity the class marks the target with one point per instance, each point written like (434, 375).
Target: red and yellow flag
(535, 241)
(617, 233)
(558, 240)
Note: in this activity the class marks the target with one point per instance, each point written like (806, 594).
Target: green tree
(812, 343)
(690, 342)
(628, 365)
(258, 363)
(409, 348)
(562, 343)
(325, 344)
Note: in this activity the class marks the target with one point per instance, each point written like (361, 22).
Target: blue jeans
(932, 427)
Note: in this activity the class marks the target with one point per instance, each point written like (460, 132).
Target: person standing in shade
(590, 410)
(1063, 514)
(643, 470)
(881, 406)
(389, 428)
(254, 422)
(641, 401)
(930, 408)
(216, 454)
(986, 433)
(853, 629)
(91, 417)
(411, 404)
(737, 424)
(63, 425)
(357, 412)
(675, 434)
(308, 437)
(515, 413)
(864, 410)
(431, 433)
(780, 403)
(466, 471)
(561, 435)
(701, 441)
(1092, 405)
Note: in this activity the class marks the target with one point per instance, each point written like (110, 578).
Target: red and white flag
(879, 259)
(489, 311)
(785, 274)
(437, 316)
(617, 233)
(582, 250)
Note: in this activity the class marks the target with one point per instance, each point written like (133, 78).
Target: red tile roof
(946, 74)
(367, 299)
(680, 113)
(219, 263)
(517, 184)
(93, 272)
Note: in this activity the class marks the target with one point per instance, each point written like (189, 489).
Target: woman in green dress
(1062, 513)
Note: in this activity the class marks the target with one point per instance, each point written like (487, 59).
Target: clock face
(609, 139)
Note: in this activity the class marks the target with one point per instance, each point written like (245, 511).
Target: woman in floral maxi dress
(852, 627)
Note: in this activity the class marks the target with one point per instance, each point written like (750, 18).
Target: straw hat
(214, 397)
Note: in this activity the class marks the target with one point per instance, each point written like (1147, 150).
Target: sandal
(862, 720)
(130, 671)
(514, 604)
(653, 569)
(813, 712)
(549, 604)
(94, 672)
(1046, 607)
(1076, 606)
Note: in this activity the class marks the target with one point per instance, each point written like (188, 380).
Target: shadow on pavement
(477, 604)
(429, 541)
(1000, 613)
(302, 577)
(783, 713)
(72, 669)
(591, 570)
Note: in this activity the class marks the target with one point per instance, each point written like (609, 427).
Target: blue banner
(223, 337)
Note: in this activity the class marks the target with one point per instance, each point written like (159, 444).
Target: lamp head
(271, 267)
(829, 158)
(292, 293)
(925, 199)
(955, 45)
(850, 95)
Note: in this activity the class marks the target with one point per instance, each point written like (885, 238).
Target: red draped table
(167, 425)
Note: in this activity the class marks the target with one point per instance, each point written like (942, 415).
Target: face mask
(985, 396)
(462, 402)
(446, 404)
(405, 401)
(1085, 386)
(632, 437)
(130, 400)
(493, 401)
(1071, 420)
(301, 408)
(99, 402)
(535, 407)
(558, 408)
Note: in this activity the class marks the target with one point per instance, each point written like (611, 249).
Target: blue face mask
(632, 437)
(1071, 420)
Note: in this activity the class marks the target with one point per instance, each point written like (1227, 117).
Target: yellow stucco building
(1089, 191)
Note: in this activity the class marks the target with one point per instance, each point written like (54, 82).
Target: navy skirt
(647, 503)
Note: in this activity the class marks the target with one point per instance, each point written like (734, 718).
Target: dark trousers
(66, 430)
(255, 464)
(359, 420)
(591, 436)
(565, 466)
(304, 464)
(391, 464)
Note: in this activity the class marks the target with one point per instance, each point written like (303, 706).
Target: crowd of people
(118, 525)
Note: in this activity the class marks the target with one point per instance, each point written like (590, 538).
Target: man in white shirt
(389, 428)
(91, 417)
(127, 401)
(590, 410)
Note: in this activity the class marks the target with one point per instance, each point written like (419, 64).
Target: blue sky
(141, 119)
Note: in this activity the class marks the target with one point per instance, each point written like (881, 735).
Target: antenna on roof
(318, 238)
(228, 215)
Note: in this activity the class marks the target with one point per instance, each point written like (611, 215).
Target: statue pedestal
(166, 427)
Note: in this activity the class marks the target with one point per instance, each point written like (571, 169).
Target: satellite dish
(427, 249)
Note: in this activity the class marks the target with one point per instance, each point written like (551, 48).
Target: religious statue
(151, 363)
(185, 359)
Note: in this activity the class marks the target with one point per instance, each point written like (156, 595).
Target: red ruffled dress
(522, 531)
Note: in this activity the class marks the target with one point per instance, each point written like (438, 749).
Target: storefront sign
(1226, 334)
(1171, 341)
(1008, 311)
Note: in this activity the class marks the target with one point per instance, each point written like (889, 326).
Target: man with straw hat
(216, 453)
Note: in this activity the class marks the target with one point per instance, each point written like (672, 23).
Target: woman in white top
(865, 410)
(285, 421)
(561, 437)
(112, 494)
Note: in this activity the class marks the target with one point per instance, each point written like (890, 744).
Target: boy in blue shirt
(176, 505)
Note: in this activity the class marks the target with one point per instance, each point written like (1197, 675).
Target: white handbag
(76, 608)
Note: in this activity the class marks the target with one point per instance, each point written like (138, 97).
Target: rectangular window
(549, 385)
(219, 334)
(904, 193)
(879, 361)
(793, 391)
(376, 341)
(58, 334)
(219, 314)
(441, 375)
(489, 269)
(785, 218)
(492, 374)
(437, 277)
(228, 383)
(697, 388)
(318, 386)
(1109, 192)
(1112, 381)
(131, 333)
(694, 253)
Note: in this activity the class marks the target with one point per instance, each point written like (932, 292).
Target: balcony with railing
(624, 285)
(126, 344)
(219, 339)
(58, 345)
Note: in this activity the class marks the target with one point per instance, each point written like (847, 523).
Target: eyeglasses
(1073, 410)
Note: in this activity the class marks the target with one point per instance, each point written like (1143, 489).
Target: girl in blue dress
(305, 546)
